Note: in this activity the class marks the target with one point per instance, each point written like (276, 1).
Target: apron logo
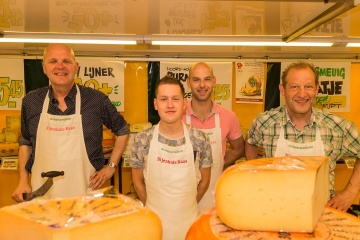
(60, 119)
(301, 147)
(59, 129)
(171, 151)
(162, 160)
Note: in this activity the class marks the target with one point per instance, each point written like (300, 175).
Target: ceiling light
(231, 40)
(76, 38)
(353, 45)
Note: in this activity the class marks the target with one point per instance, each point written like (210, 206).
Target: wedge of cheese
(274, 194)
(90, 218)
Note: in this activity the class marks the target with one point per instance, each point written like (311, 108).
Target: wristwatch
(111, 164)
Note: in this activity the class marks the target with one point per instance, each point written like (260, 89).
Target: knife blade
(45, 187)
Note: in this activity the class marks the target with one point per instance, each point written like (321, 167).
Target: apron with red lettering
(214, 135)
(171, 185)
(60, 146)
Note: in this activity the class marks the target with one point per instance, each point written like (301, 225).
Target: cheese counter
(9, 180)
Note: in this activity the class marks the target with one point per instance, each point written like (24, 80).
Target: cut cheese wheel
(87, 218)
(274, 194)
(108, 145)
(333, 224)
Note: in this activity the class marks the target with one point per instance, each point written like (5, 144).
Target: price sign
(12, 88)
(105, 76)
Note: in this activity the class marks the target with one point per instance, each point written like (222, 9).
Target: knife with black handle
(45, 187)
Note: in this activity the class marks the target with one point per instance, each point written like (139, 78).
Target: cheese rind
(79, 218)
(274, 194)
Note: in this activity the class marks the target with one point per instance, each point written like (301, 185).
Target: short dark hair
(167, 79)
(299, 65)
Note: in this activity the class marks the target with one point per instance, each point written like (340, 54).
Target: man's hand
(18, 193)
(98, 178)
(342, 200)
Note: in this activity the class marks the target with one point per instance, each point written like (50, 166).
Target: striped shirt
(339, 136)
(96, 110)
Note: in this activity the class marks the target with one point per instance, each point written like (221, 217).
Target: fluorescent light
(80, 38)
(232, 40)
(61, 40)
(353, 44)
(279, 44)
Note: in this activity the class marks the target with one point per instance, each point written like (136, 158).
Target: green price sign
(10, 91)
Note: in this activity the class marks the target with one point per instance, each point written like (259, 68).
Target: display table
(333, 224)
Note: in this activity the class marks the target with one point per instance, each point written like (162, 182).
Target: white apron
(287, 148)
(171, 185)
(214, 134)
(60, 146)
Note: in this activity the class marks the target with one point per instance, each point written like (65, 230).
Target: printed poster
(334, 91)
(195, 17)
(105, 76)
(83, 16)
(12, 17)
(222, 93)
(250, 80)
(12, 87)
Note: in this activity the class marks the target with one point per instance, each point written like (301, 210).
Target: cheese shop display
(108, 140)
(9, 136)
(333, 224)
(285, 194)
(90, 218)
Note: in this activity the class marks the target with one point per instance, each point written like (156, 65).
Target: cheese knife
(45, 187)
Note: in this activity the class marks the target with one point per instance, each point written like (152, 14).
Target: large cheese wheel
(79, 218)
(333, 224)
(274, 194)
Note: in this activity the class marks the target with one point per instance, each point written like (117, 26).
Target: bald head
(200, 65)
(58, 46)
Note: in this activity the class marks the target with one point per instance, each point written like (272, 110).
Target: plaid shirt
(339, 136)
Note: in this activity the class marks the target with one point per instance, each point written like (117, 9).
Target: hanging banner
(334, 90)
(105, 76)
(250, 82)
(83, 16)
(12, 15)
(12, 88)
(222, 93)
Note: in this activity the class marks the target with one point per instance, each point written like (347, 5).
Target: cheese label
(350, 162)
(9, 163)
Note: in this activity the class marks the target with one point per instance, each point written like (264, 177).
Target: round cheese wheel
(90, 218)
(333, 224)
